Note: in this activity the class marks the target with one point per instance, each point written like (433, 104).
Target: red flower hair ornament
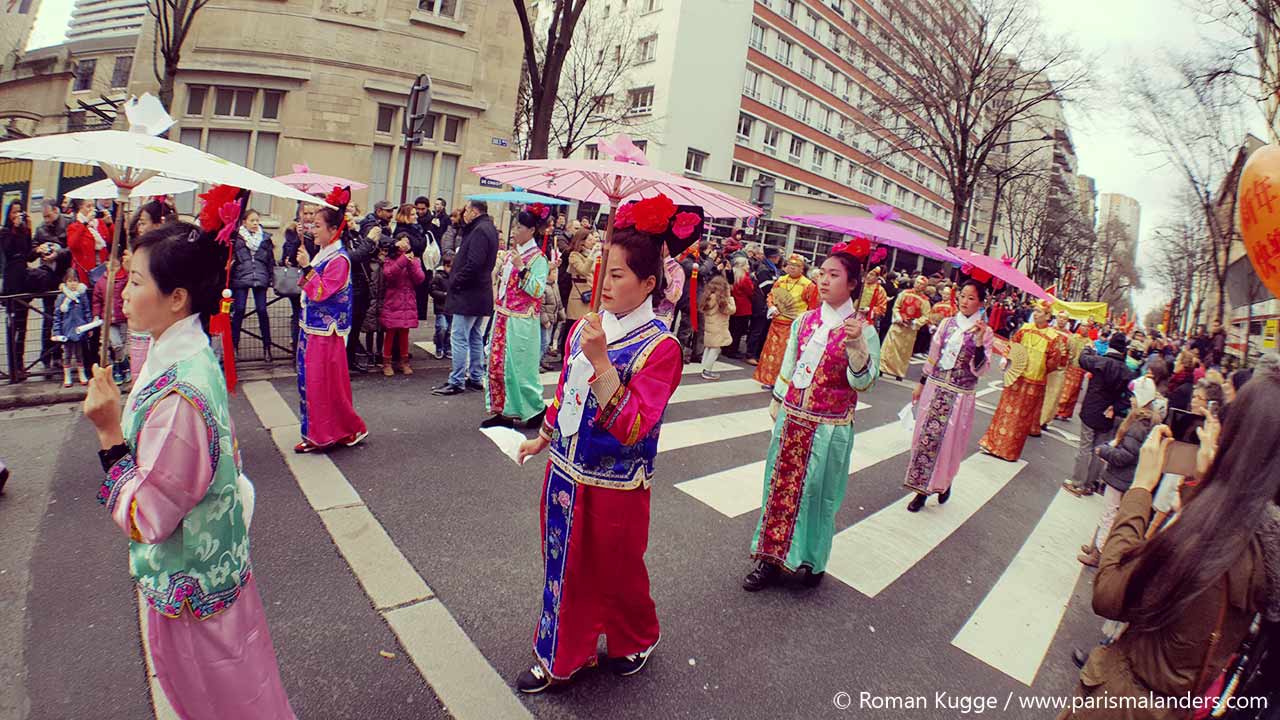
(625, 217)
(542, 211)
(653, 215)
(211, 212)
(685, 224)
(859, 247)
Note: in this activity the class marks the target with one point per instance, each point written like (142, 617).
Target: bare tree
(1179, 262)
(591, 101)
(173, 22)
(1119, 273)
(1241, 51)
(544, 68)
(1198, 129)
(969, 75)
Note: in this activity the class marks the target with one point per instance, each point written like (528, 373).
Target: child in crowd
(552, 314)
(119, 330)
(401, 273)
(716, 307)
(439, 292)
(72, 322)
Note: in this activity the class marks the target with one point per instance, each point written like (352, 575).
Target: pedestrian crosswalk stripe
(875, 552)
(702, 391)
(737, 490)
(1015, 624)
(713, 428)
(551, 378)
(427, 346)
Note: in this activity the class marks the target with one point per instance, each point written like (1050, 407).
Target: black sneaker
(447, 389)
(475, 385)
(811, 579)
(944, 496)
(765, 574)
(632, 664)
(916, 503)
(4, 477)
(497, 421)
(533, 681)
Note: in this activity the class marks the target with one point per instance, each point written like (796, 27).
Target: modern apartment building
(782, 88)
(106, 18)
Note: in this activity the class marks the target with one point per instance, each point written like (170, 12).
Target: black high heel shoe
(916, 503)
(944, 496)
(765, 574)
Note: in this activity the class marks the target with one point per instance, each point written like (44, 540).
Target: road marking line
(159, 701)
(427, 346)
(445, 657)
(1015, 624)
(739, 490)
(872, 554)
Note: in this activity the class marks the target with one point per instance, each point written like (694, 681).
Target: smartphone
(1213, 408)
(1181, 459)
(1184, 424)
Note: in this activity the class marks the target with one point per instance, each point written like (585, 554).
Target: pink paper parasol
(1003, 269)
(880, 228)
(627, 176)
(303, 179)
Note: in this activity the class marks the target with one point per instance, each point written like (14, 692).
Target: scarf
(951, 350)
(508, 266)
(71, 296)
(253, 240)
(1269, 533)
(180, 341)
(811, 356)
(98, 242)
(578, 382)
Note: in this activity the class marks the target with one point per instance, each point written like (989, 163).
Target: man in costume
(910, 313)
(1075, 374)
(1055, 380)
(875, 301)
(791, 295)
(1018, 415)
(513, 392)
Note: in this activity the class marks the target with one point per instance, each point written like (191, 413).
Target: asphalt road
(466, 519)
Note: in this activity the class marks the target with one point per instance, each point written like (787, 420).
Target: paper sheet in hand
(907, 417)
(508, 440)
(96, 322)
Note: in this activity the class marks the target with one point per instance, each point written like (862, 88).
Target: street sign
(500, 142)
(486, 182)
(415, 115)
(1269, 334)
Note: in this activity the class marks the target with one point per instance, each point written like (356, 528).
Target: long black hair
(180, 255)
(16, 206)
(1216, 526)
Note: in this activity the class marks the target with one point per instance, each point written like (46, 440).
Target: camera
(388, 246)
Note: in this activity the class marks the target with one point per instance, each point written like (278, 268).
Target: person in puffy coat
(73, 310)
(401, 275)
(439, 295)
(252, 265)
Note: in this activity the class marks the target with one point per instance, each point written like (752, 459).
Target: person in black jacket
(765, 275)
(298, 235)
(470, 301)
(409, 226)
(253, 262)
(361, 247)
(16, 250)
(1107, 386)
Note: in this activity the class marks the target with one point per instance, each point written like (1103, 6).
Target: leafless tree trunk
(173, 20)
(1244, 54)
(962, 91)
(544, 72)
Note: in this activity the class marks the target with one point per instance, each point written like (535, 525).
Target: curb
(50, 392)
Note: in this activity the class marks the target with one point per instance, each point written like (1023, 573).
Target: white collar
(836, 315)
(527, 246)
(180, 341)
(616, 328)
(964, 322)
(327, 252)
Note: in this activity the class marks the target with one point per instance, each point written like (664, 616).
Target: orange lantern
(1258, 202)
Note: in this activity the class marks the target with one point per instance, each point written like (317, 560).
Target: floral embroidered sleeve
(535, 277)
(789, 358)
(320, 285)
(149, 491)
(864, 378)
(630, 411)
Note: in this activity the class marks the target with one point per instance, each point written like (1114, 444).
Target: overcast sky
(1118, 33)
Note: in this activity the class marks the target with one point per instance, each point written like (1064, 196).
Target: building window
(789, 9)
(751, 84)
(648, 6)
(738, 173)
(380, 168)
(694, 160)
(386, 118)
(264, 153)
(806, 65)
(797, 147)
(233, 102)
(836, 167)
(84, 75)
(802, 109)
(195, 99)
(429, 126)
(868, 181)
(120, 73)
(783, 51)
(745, 122)
(593, 152)
(440, 8)
(771, 137)
(640, 101)
(452, 128)
(779, 96)
(819, 159)
(648, 48)
(641, 145)
(271, 104)
(811, 24)
(757, 37)
(790, 186)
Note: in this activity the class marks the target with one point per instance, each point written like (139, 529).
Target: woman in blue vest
(174, 487)
(324, 383)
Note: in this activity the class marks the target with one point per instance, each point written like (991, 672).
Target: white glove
(59, 338)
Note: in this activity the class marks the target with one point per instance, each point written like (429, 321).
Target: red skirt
(1017, 417)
